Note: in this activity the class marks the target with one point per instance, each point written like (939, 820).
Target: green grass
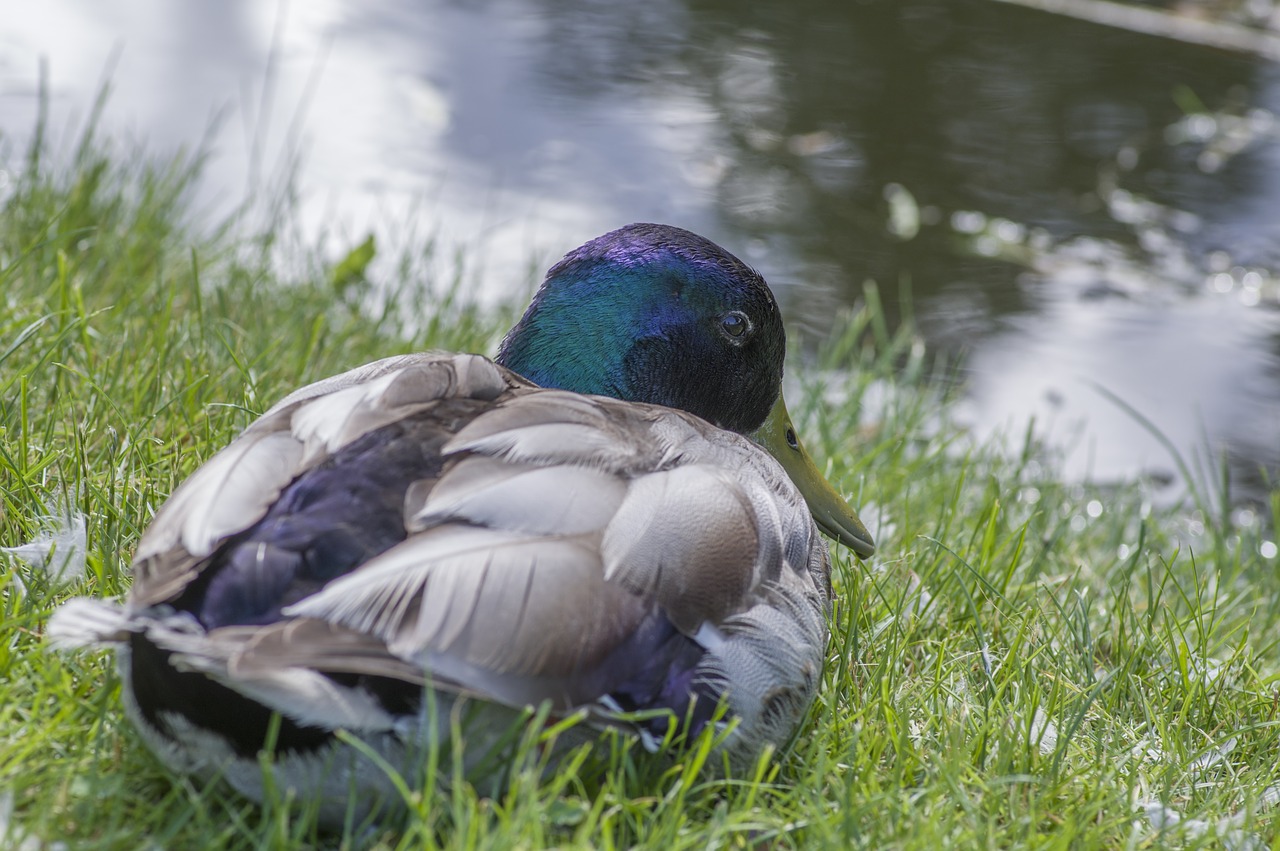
(1026, 662)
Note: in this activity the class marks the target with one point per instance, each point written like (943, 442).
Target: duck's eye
(791, 438)
(735, 325)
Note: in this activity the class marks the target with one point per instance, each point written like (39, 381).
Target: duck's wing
(546, 546)
(574, 544)
(237, 487)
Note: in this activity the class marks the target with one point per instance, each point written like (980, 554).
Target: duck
(612, 520)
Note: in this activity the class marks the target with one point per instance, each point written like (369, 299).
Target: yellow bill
(834, 516)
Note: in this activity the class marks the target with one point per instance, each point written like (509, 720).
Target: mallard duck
(614, 517)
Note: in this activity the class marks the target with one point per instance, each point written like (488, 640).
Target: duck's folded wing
(235, 488)
(570, 549)
(538, 563)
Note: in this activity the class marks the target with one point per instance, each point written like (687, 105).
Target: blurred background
(1083, 215)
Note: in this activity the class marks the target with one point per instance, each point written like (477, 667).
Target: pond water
(1080, 213)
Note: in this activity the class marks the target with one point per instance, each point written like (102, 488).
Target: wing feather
(564, 538)
(562, 499)
(531, 558)
(235, 488)
(510, 603)
(554, 427)
(689, 538)
(476, 377)
(227, 495)
(329, 422)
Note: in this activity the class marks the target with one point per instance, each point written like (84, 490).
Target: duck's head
(653, 313)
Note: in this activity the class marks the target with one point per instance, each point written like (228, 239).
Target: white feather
(230, 493)
(473, 376)
(60, 547)
(327, 423)
(552, 443)
(375, 599)
(562, 500)
(352, 377)
(555, 427)
(86, 622)
(506, 602)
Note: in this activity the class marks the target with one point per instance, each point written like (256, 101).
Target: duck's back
(436, 519)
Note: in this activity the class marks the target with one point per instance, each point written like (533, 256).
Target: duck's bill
(833, 515)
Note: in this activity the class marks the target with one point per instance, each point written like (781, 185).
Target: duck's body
(433, 533)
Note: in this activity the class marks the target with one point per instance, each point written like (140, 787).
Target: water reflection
(1062, 199)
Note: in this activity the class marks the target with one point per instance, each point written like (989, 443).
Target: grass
(1026, 662)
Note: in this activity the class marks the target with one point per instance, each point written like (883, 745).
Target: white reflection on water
(1176, 364)
(399, 110)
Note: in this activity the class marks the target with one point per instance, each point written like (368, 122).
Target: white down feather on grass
(58, 548)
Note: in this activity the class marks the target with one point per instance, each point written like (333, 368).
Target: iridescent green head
(653, 313)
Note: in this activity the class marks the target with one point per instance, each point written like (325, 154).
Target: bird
(612, 520)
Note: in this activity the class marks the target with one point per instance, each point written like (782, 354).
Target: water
(1081, 214)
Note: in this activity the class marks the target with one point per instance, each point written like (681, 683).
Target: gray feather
(689, 538)
(561, 500)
